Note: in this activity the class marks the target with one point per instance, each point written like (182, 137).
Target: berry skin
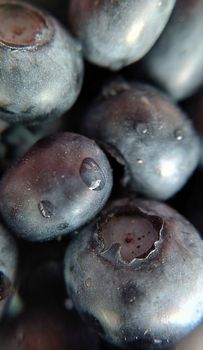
(137, 272)
(41, 68)
(62, 182)
(148, 134)
(116, 33)
(176, 59)
(8, 266)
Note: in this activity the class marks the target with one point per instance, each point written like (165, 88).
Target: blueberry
(136, 271)
(8, 266)
(57, 186)
(41, 66)
(176, 59)
(116, 33)
(148, 134)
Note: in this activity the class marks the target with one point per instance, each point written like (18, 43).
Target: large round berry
(175, 61)
(60, 184)
(116, 33)
(136, 273)
(41, 67)
(148, 134)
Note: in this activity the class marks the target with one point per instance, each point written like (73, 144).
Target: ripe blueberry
(116, 33)
(58, 185)
(41, 67)
(175, 61)
(137, 272)
(148, 134)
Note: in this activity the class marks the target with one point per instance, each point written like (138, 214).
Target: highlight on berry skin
(134, 273)
(150, 136)
(41, 68)
(114, 34)
(61, 183)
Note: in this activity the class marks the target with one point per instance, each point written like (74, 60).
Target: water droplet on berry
(141, 129)
(179, 134)
(46, 208)
(88, 283)
(140, 161)
(92, 175)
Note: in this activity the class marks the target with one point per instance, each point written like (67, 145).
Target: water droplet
(88, 283)
(178, 134)
(141, 129)
(46, 208)
(92, 175)
(140, 161)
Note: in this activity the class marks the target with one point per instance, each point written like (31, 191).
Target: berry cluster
(88, 155)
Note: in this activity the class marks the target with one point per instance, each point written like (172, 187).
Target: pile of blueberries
(101, 105)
